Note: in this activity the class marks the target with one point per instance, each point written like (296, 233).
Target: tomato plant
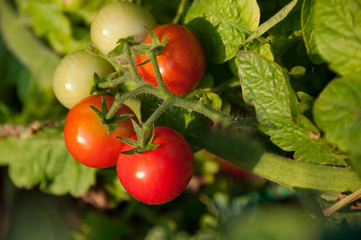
(73, 77)
(119, 20)
(86, 137)
(160, 175)
(181, 63)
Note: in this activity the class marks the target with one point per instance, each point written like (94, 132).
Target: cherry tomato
(73, 77)
(86, 137)
(119, 20)
(160, 175)
(181, 63)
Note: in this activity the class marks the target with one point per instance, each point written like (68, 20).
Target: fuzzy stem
(119, 101)
(161, 86)
(113, 82)
(148, 124)
(128, 53)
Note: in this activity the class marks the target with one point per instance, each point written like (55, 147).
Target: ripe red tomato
(181, 63)
(160, 175)
(86, 137)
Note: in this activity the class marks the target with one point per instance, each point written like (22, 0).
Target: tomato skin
(119, 20)
(73, 77)
(86, 137)
(181, 63)
(160, 175)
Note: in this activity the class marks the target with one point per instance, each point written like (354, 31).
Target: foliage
(285, 73)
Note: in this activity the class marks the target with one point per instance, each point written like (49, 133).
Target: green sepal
(98, 112)
(96, 80)
(121, 117)
(130, 142)
(150, 136)
(110, 127)
(130, 152)
(137, 129)
(143, 63)
(154, 37)
(143, 49)
(119, 49)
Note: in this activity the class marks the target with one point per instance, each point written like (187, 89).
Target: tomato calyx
(148, 49)
(139, 146)
(111, 124)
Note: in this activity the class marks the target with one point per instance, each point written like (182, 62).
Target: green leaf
(267, 88)
(308, 26)
(48, 20)
(338, 34)
(43, 159)
(222, 26)
(278, 17)
(337, 112)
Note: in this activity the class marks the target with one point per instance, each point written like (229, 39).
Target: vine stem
(148, 124)
(180, 11)
(342, 203)
(128, 53)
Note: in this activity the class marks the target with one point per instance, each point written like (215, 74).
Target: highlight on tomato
(119, 20)
(160, 175)
(181, 63)
(73, 77)
(86, 137)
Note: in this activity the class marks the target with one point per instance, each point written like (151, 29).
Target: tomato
(119, 20)
(86, 137)
(73, 77)
(160, 175)
(181, 63)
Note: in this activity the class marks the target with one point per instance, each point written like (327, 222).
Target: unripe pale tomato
(181, 63)
(73, 77)
(119, 20)
(160, 175)
(86, 137)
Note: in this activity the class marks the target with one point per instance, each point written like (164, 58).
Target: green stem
(113, 82)
(149, 123)
(119, 101)
(216, 116)
(161, 86)
(303, 175)
(342, 203)
(118, 68)
(128, 53)
(180, 11)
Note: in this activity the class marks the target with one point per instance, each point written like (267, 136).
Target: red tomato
(181, 63)
(160, 175)
(86, 137)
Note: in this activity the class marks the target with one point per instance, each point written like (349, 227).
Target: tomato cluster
(152, 175)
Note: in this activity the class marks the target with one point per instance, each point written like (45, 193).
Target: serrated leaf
(222, 25)
(267, 88)
(337, 112)
(43, 160)
(338, 34)
(308, 26)
(278, 17)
